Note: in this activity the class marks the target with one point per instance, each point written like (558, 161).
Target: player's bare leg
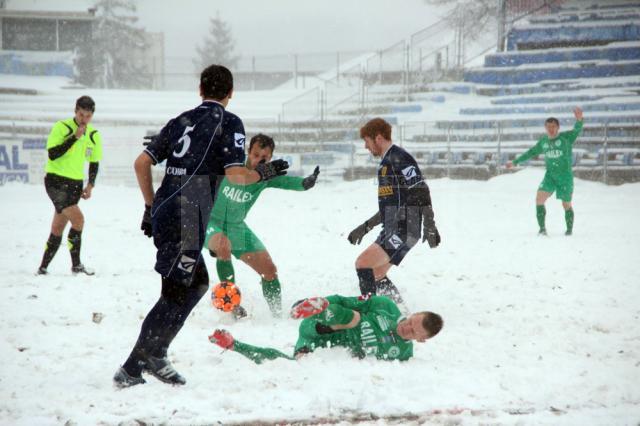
(541, 211)
(568, 216)
(373, 257)
(261, 262)
(58, 224)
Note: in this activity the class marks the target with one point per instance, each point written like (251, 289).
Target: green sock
(273, 295)
(225, 270)
(541, 212)
(568, 217)
(258, 354)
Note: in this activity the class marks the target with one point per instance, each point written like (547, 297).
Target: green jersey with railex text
(375, 334)
(233, 201)
(71, 164)
(558, 151)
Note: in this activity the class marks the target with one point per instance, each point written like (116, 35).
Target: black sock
(53, 243)
(74, 239)
(387, 288)
(367, 281)
(165, 319)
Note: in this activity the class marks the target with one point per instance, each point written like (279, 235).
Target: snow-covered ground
(537, 330)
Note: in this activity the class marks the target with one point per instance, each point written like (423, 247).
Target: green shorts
(562, 185)
(243, 240)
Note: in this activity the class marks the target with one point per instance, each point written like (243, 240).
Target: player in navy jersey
(404, 210)
(199, 146)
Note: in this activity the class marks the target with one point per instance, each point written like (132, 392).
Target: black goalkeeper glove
(310, 181)
(272, 169)
(429, 231)
(146, 222)
(355, 236)
(149, 138)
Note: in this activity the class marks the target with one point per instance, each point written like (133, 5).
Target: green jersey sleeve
(572, 135)
(335, 314)
(95, 145)
(530, 153)
(291, 183)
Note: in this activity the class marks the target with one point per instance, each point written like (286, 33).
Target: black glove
(149, 138)
(310, 181)
(146, 222)
(429, 231)
(355, 236)
(272, 169)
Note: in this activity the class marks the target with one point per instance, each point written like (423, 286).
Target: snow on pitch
(530, 322)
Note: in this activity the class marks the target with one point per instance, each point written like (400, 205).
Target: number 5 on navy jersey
(185, 140)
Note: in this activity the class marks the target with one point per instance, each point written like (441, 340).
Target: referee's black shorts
(62, 191)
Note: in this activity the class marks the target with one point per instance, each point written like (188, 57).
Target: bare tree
(472, 16)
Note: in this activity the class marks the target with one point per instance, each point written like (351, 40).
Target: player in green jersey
(71, 143)
(228, 234)
(366, 326)
(558, 158)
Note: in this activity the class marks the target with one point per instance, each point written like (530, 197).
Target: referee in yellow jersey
(70, 143)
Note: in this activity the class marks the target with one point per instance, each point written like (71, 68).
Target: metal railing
(596, 155)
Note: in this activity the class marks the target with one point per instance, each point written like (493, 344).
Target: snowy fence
(608, 152)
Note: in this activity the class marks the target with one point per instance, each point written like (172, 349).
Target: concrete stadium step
(553, 71)
(590, 14)
(564, 97)
(566, 122)
(612, 52)
(587, 17)
(586, 10)
(594, 134)
(612, 105)
(408, 108)
(629, 82)
(571, 34)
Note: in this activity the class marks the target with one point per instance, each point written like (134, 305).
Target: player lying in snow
(366, 326)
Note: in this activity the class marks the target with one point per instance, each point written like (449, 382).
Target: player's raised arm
(577, 127)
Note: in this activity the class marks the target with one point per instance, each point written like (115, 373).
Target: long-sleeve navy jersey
(398, 173)
(199, 143)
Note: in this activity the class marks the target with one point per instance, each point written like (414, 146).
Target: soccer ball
(225, 296)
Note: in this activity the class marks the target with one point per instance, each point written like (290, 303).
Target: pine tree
(111, 58)
(217, 47)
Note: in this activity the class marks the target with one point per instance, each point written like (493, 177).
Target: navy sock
(367, 281)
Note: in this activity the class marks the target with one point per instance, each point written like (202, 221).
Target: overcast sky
(264, 27)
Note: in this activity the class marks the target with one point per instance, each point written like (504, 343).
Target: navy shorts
(396, 240)
(178, 235)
